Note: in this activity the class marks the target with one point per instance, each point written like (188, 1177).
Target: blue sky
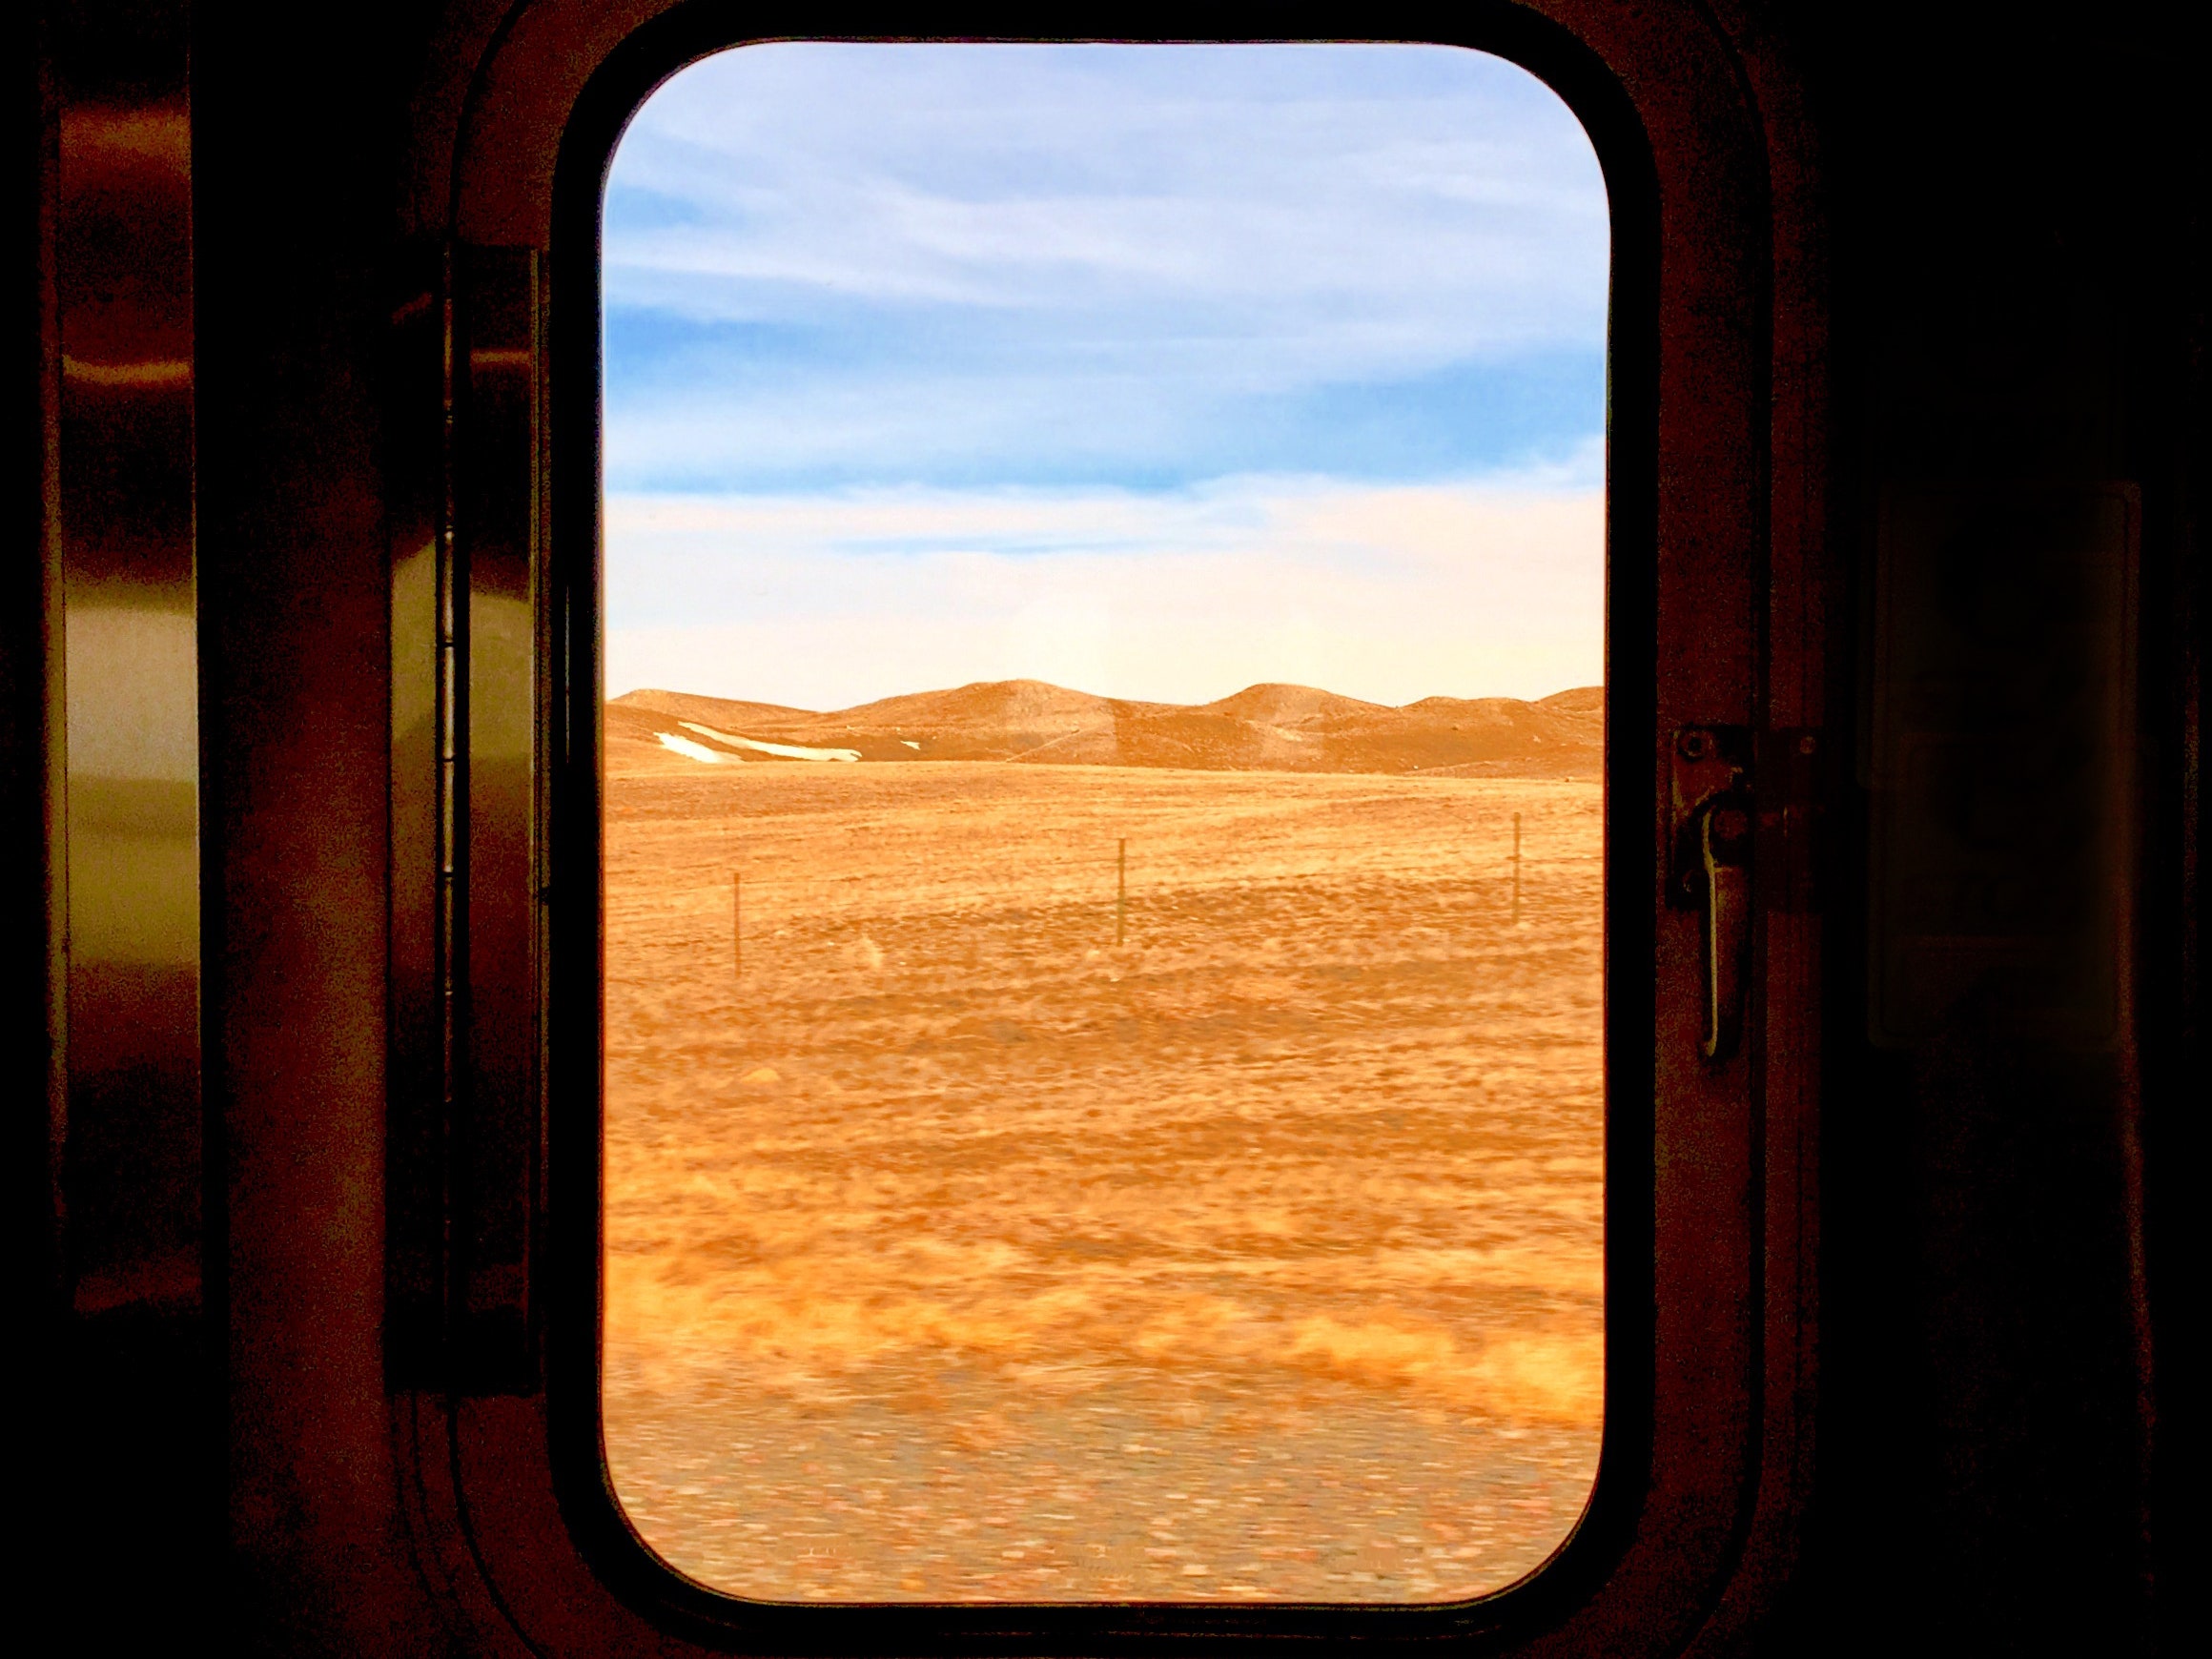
(1308, 340)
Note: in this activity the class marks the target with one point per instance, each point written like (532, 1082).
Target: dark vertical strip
(499, 1124)
(31, 841)
(416, 1157)
(33, 754)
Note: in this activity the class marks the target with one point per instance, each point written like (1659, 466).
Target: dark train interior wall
(2009, 1414)
(2011, 1372)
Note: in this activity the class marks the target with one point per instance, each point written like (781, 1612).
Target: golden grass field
(955, 1252)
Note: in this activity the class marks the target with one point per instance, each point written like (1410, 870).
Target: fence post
(1516, 870)
(1121, 891)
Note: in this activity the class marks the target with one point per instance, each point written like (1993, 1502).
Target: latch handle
(1709, 870)
(1725, 840)
(1730, 789)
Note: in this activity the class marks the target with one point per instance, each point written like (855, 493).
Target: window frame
(1712, 520)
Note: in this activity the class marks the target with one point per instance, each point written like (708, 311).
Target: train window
(1103, 805)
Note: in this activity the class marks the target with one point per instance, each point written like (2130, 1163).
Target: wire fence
(1082, 873)
(1124, 885)
(1110, 885)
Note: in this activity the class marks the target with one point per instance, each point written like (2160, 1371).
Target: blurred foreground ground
(955, 1252)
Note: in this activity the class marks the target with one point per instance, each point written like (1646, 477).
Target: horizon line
(1101, 697)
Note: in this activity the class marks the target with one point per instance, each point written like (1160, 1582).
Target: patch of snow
(784, 751)
(697, 751)
(912, 744)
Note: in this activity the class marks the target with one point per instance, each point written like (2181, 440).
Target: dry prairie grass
(955, 1252)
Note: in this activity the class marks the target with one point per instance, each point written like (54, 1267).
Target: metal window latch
(1709, 867)
(1734, 790)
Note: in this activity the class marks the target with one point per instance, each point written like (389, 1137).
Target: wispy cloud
(1046, 178)
(783, 425)
(1087, 257)
(1466, 590)
(1154, 371)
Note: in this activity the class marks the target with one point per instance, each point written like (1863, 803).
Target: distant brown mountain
(1269, 727)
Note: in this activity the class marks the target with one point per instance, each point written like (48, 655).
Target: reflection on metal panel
(417, 403)
(123, 265)
(2001, 744)
(465, 1148)
(499, 1123)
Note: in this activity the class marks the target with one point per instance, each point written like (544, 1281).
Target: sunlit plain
(958, 1252)
(1142, 1142)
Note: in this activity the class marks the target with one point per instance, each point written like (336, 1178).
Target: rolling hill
(1268, 727)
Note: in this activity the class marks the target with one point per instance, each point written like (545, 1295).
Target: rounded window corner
(1702, 1474)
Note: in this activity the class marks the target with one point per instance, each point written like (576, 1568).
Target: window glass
(1104, 623)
